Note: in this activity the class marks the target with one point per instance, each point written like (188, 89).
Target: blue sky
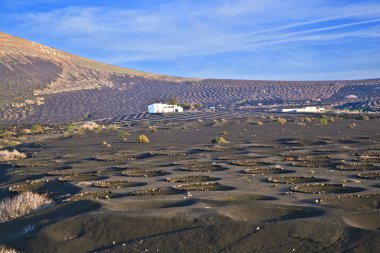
(238, 39)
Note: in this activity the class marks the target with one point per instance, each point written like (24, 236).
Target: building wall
(310, 109)
(164, 108)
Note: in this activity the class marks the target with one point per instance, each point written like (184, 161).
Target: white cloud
(171, 30)
(184, 28)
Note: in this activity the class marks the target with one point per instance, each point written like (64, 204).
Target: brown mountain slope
(42, 84)
(68, 72)
(30, 72)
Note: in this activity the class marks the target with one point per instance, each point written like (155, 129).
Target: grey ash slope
(42, 84)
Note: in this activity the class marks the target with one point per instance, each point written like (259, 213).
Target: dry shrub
(6, 155)
(25, 131)
(4, 249)
(153, 129)
(21, 205)
(90, 126)
(114, 126)
(281, 121)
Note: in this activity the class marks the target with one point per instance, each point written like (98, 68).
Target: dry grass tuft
(6, 155)
(4, 249)
(22, 204)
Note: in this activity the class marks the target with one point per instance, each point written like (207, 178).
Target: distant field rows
(132, 95)
(152, 118)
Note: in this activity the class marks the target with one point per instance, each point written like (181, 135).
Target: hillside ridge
(42, 84)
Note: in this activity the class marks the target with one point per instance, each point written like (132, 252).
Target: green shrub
(123, 135)
(323, 120)
(142, 138)
(186, 106)
(70, 128)
(224, 133)
(37, 128)
(98, 129)
(196, 106)
(5, 134)
(306, 119)
(219, 140)
(364, 117)
(173, 101)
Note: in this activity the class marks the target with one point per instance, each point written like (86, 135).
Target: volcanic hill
(46, 85)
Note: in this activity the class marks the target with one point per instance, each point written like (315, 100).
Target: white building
(164, 108)
(308, 109)
(352, 96)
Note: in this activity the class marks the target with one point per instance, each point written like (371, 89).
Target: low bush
(70, 128)
(80, 129)
(142, 138)
(106, 144)
(5, 134)
(37, 128)
(22, 204)
(364, 117)
(114, 127)
(6, 155)
(153, 129)
(307, 119)
(281, 121)
(123, 135)
(323, 120)
(173, 101)
(219, 140)
(352, 125)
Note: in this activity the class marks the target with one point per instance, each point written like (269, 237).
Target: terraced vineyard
(152, 118)
(137, 92)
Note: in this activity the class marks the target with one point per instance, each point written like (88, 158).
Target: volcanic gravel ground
(235, 212)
